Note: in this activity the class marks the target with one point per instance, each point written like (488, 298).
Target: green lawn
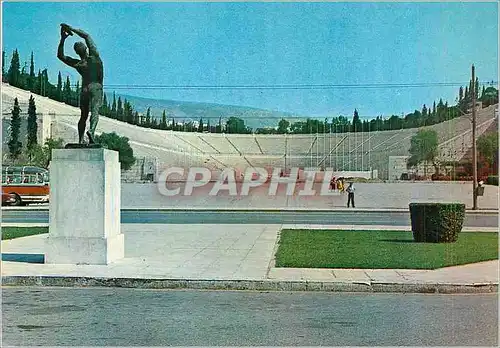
(380, 249)
(17, 232)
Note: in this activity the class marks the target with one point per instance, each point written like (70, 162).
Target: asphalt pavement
(130, 317)
(257, 216)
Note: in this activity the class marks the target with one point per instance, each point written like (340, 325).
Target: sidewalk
(227, 257)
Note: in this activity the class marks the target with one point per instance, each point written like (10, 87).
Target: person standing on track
(350, 195)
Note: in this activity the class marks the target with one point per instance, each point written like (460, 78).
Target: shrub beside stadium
(436, 222)
(492, 180)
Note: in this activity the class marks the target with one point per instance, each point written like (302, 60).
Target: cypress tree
(39, 82)
(3, 66)
(131, 113)
(48, 87)
(32, 125)
(36, 83)
(356, 122)
(31, 79)
(67, 91)
(119, 110)
(128, 112)
(77, 93)
(125, 110)
(440, 111)
(476, 87)
(460, 94)
(104, 106)
(44, 83)
(148, 118)
(113, 107)
(59, 87)
(15, 146)
(14, 70)
(200, 126)
(164, 120)
(424, 111)
(23, 78)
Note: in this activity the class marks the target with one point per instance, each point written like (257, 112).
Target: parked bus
(27, 184)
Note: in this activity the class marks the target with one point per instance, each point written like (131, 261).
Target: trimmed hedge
(492, 180)
(436, 222)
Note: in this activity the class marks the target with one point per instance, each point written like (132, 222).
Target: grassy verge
(380, 249)
(18, 232)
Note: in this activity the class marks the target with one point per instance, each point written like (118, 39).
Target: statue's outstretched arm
(88, 40)
(60, 50)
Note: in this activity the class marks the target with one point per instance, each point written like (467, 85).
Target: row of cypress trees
(15, 142)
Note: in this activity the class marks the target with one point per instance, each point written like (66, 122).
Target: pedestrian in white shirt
(350, 197)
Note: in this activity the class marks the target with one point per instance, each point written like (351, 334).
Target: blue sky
(272, 44)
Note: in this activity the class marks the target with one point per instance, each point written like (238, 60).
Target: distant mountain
(254, 118)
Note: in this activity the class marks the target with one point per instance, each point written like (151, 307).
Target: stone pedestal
(84, 225)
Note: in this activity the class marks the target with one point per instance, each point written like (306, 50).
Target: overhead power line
(155, 114)
(291, 86)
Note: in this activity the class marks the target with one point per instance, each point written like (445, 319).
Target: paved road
(256, 217)
(129, 317)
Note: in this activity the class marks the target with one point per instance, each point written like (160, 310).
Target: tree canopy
(41, 156)
(487, 146)
(113, 141)
(423, 148)
(236, 125)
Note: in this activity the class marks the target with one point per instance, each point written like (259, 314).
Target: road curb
(373, 228)
(255, 285)
(24, 224)
(274, 210)
(304, 227)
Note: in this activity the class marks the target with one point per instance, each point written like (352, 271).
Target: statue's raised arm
(88, 40)
(65, 32)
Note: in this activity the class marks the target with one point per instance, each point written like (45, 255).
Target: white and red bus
(27, 184)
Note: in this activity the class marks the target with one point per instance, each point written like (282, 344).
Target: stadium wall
(345, 152)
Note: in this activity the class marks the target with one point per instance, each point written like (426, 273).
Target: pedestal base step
(84, 251)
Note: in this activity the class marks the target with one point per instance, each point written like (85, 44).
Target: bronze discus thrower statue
(91, 69)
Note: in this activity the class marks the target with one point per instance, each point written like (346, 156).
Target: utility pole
(474, 148)
(286, 144)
